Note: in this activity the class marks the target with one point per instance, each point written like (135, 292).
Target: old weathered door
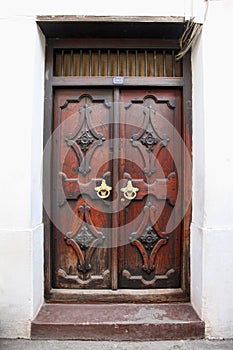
(117, 192)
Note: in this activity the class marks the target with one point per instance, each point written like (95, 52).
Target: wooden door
(117, 189)
(150, 254)
(82, 158)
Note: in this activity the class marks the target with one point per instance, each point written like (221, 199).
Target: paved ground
(20, 344)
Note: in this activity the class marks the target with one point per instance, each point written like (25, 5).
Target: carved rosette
(149, 238)
(149, 140)
(84, 237)
(85, 140)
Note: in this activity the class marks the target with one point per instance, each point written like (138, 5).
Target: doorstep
(117, 322)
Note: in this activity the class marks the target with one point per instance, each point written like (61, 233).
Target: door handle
(129, 191)
(103, 191)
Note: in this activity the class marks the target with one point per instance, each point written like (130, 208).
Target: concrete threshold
(204, 344)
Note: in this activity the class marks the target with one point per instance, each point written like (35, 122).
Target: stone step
(131, 322)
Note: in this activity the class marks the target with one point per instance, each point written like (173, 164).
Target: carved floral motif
(83, 237)
(149, 238)
(85, 140)
(149, 140)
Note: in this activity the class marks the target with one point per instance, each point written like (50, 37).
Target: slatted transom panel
(117, 62)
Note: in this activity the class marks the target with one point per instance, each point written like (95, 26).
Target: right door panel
(149, 254)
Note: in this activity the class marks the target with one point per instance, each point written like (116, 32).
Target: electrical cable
(190, 35)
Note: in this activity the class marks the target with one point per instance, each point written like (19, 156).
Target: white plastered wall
(22, 93)
(100, 8)
(21, 228)
(212, 226)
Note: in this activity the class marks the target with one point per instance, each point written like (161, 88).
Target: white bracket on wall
(200, 8)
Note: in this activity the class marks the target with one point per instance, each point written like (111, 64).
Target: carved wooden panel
(125, 140)
(149, 256)
(81, 258)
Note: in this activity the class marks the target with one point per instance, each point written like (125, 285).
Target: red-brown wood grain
(117, 135)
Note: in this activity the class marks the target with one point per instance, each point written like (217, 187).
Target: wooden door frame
(183, 83)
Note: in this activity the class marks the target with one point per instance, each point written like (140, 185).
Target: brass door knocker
(129, 191)
(103, 191)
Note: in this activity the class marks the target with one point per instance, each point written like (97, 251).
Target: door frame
(183, 83)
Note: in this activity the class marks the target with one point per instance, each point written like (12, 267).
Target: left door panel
(81, 216)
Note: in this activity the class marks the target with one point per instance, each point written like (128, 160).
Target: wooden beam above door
(163, 27)
(68, 18)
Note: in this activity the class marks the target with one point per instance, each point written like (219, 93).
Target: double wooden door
(117, 185)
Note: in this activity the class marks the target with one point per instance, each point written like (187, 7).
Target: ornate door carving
(82, 140)
(151, 256)
(117, 173)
